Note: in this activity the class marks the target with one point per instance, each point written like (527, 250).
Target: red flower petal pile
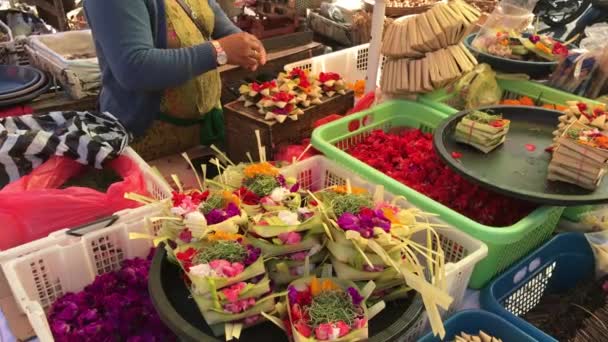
(409, 157)
(328, 76)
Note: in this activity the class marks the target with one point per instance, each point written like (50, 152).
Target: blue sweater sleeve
(123, 31)
(223, 25)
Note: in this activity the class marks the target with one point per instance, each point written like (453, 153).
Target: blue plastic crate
(556, 267)
(472, 321)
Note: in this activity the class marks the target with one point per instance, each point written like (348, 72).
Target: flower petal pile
(409, 157)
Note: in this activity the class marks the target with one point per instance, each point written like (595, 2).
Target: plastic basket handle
(92, 226)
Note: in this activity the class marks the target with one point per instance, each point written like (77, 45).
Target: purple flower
(215, 216)
(68, 312)
(281, 180)
(381, 221)
(355, 296)
(295, 187)
(253, 254)
(534, 38)
(60, 328)
(349, 221)
(232, 210)
(185, 235)
(292, 294)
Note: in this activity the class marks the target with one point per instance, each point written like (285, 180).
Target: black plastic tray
(511, 169)
(179, 312)
(536, 70)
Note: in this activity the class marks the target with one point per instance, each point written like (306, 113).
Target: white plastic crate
(462, 252)
(39, 278)
(351, 63)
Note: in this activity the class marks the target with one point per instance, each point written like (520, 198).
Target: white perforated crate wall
(351, 63)
(462, 252)
(39, 278)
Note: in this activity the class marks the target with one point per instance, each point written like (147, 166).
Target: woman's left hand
(258, 52)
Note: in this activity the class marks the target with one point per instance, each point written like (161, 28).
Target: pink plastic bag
(32, 207)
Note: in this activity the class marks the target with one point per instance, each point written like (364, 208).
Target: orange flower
(315, 287)
(264, 168)
(510, 102)
(230, 198)
(219, 235)
(390, 215)
(601, 141)
(328, 285)
(342, 189)
(526, 101)
(544, 48)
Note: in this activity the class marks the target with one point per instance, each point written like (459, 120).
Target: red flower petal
(456, 155)
(531, 147)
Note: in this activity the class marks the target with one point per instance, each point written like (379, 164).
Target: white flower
(304, 211)
(289, 218)
(279, 194)
(202, 270)
(335, 333)
(195, 219)
(178, 211)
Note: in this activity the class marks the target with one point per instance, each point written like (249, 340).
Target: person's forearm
(223, 25)
(128, 46)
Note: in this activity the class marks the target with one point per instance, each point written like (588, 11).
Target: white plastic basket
(462, 251)
(351, 63)
(157, 188)
(70, 263)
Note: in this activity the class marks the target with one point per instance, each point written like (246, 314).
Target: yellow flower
(229, 197)
(342, 189)
(219, 235)
(264, 168)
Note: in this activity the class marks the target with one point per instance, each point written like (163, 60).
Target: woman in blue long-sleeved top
(159, 68)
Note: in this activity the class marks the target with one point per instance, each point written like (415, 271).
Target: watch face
(222, 58)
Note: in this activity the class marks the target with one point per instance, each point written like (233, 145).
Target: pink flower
(225, 269)
(232, 293)
(359, 323)
(240, 306)
(185, 235)
(291, 238)
(331, 331)
(299, 256)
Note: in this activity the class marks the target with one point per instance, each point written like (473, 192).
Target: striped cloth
(27, 141)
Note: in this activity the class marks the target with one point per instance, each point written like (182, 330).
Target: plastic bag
(33, 207)
(510, 16)
(596, 37)
(599, 244)
(479, 88)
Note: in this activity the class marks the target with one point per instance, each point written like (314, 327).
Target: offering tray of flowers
(534, 55)
(519, 167)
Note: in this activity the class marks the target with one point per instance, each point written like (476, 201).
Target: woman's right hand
(244, 49)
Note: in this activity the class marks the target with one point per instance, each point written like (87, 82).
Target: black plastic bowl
(178, 310)
(536, 70)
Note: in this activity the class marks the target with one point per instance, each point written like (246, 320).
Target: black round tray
(512, 169)
(179, 312)
(536, 70)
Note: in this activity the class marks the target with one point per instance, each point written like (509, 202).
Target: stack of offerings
(591, 115)
(425, 52)
(370, 239)
(226, 273)
(580, 156)
(284, 224)
(481, 130)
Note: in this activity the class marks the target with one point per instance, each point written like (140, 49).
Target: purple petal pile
(364, 222)
(115, 307)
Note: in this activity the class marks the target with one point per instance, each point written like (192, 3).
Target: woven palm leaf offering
(331, 83)
(481, 130)
(252, 93)
(284, 223)
(591, 115)
(327, 309)
(279, 107)
(370, 238)
(581, 156)
(298, 83)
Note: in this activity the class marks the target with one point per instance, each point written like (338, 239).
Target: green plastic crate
(506, 245)
(449, 103)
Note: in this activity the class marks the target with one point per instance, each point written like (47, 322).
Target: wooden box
(242, 122)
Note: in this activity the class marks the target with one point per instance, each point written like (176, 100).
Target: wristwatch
(220, 54)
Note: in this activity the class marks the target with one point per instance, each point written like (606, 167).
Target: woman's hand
(244, 49)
